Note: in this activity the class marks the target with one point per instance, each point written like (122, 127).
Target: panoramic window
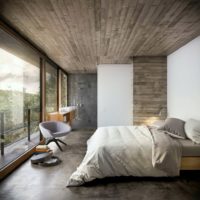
(51, 88)
(19, 98)
(63, 89)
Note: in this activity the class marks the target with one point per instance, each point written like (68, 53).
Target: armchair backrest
(48, 128)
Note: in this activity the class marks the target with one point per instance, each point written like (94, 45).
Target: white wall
(115, 94)
(183, 92)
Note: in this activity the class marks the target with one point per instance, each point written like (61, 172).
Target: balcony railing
(26, 125)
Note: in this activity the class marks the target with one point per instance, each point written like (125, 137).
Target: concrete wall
(184, 81)
(150, 89)
(115, 94)
(82, 92)
(125, 97)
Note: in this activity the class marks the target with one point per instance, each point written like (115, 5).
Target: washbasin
(67, 109)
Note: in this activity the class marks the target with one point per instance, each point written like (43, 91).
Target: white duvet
(128, 151)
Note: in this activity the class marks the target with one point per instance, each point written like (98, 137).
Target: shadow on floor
(184, 175)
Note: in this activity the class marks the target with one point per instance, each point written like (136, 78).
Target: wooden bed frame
(190, 163)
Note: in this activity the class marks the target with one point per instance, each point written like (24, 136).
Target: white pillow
(192, 130)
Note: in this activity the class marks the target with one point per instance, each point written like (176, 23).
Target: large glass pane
(63, 89)
(51, 88)
(19, 98)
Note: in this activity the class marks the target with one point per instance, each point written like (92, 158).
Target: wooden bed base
(190, 163)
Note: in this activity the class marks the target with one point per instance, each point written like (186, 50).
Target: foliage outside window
(19, 94)
(63, 89)
(51, 88)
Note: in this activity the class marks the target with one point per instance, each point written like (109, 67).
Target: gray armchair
(51, 130)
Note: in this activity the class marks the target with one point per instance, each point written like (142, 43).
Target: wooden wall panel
(79, 34)
(150, 89)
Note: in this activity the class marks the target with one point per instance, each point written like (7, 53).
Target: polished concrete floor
(30, 182)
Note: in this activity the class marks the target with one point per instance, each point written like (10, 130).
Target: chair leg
(55, 140)
(61, 141)
(49, 141)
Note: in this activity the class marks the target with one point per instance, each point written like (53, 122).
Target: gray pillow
(174, 127)
(192, 130)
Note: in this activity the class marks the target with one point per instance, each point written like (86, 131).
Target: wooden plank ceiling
(79, 34)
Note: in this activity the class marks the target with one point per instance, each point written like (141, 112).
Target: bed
(139, 151)
(190, 159)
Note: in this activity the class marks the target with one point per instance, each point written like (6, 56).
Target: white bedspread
(127, 151)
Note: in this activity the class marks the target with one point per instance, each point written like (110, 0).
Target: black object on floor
(35, 159)
(54, 160)
(45, 159)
